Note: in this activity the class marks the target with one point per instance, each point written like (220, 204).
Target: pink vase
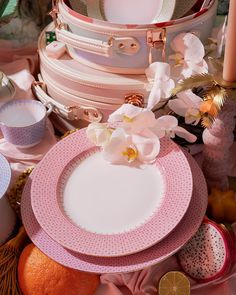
(217, 142)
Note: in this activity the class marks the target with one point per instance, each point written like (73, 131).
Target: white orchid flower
(168, 126)
(190, 68)
(126, 148)
(187, 104)
(148, 146)
(189, 55)
(99, 134)
(133, 119)
(160, 83)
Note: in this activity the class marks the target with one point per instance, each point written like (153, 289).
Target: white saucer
(36, 152)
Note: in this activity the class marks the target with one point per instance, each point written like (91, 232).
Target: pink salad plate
(91, 206)
(153, 255)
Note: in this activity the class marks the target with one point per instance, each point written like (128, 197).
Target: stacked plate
(93, 216)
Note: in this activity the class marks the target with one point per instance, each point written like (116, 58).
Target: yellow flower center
(131, 153)
(178, 59)
(127, 119)
(193, 113)
(179, 62)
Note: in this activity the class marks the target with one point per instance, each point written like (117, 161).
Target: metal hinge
(156, 39)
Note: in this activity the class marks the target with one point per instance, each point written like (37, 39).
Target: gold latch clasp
(156, 39)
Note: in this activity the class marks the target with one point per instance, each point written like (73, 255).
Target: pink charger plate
(56, 167)
(153, 255)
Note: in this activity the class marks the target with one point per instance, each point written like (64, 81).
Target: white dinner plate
(97, 208)
(151, 256)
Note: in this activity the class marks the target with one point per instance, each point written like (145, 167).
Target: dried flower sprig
(195, 81)
(213, 99)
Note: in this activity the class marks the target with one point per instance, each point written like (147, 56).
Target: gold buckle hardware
(135, 99)
(54, 12)
(156, 39)
(89, 114)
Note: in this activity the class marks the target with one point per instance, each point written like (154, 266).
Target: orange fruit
(174, 283)
(40, 275)
(230, 210)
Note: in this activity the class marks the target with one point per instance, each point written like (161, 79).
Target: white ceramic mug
(23, 122)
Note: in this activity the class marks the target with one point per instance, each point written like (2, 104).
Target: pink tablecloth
(20, 65)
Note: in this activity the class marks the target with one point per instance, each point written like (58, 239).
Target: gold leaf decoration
(218, 94)
(216, 64)
(213, 101)
(14, 195)
(194, 81)
(207, 121)
(208, 108)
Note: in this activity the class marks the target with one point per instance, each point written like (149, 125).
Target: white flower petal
(134, 119)
(187, 105)
(189, 46)
(113, 151)
(148, 147)
(181, 132)
(98, 133)
(187, 72)
(144, 120)
(154, 97)
(177, 44)
(167, 122)
(127, 110)
(167, 87)
(192, 120)
(162, 84)
(197, 68)
(195, 50)
(190, 99)
(158, 71)
(191, 68)
(164, 126)
(178, 106)
(159, 132)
